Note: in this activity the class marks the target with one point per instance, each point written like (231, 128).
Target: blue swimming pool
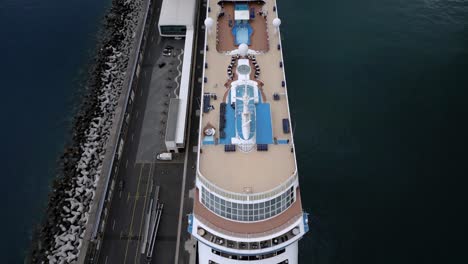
(263, 127)
(242, 33)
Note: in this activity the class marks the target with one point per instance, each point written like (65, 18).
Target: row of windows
(173, 30)
(253, 257)
(282, 262)
(248, 212)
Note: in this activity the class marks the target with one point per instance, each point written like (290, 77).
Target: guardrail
(249, 235)
(121, 130)
(247, 197)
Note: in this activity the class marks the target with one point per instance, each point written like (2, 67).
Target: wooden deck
(259, 38)
(257, 171)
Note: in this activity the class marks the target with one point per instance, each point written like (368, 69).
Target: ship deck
(255, 171)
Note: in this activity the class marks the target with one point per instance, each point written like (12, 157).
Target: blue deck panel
(264, 128)
(242, 7)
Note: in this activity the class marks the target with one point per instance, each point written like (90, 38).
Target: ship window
(173, 30)
(247, 211)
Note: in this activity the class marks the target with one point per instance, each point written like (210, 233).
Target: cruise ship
(247, 201)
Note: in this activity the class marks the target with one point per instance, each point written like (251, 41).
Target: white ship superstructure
(247, 199)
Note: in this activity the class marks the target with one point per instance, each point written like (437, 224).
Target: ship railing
(247, 197)
(249, 235)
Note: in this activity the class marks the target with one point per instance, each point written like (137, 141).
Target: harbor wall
(77, 207)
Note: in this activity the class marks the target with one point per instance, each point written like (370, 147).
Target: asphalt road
(124, 229)
(140, 172)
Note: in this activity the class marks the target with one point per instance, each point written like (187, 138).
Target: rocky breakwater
(60, 237)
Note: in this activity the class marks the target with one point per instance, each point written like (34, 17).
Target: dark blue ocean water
(378, 97)
(378, 93)
(45, 46)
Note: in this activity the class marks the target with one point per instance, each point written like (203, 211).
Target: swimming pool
(242, 33)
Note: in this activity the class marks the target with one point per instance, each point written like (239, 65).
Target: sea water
(376, 90)
(46, 47)
(378, 94)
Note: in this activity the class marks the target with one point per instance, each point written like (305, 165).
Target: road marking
(128, 197)
(105, 262)
(113, 225)
(130, 233)
(137, 113)
(143, 212)
(126, 163)
(131, 139)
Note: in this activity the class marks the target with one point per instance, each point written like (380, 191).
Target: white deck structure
(177, 16)
(177, 20)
